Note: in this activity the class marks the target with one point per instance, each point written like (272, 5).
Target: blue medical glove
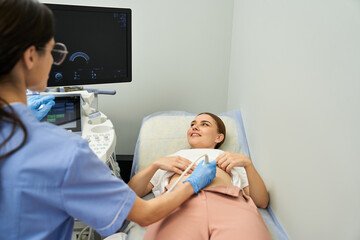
(36, 101)
(202, 175)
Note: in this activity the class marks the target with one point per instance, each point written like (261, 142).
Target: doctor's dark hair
(23, 23)
(220, 125)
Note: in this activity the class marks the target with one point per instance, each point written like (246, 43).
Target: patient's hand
(228, 160)
(174, 164)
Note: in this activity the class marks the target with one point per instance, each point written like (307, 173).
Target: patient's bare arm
(140, 183)
(257, 187)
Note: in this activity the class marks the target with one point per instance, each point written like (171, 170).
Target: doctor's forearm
(147, 212)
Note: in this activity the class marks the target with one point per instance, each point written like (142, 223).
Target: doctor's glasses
(58, 53)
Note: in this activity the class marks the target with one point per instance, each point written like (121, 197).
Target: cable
(114, 167)
(82, 231)
(90, 233)
(206, 161)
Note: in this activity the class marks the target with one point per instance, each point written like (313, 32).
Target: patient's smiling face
(203, 132)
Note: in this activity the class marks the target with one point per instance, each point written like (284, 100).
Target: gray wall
(181, 54)
(295, 74)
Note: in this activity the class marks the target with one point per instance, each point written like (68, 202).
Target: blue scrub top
(54, 178)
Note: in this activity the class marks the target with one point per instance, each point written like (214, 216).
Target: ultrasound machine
(77, 113)
(98, 40)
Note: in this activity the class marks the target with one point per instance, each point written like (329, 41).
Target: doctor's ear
(219, 138)
(29, 57)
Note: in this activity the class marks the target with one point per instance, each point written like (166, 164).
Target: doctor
(49, 176)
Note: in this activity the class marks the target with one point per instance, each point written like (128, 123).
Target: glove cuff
(195, 187)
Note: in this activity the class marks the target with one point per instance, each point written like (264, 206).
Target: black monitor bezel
(128, 12)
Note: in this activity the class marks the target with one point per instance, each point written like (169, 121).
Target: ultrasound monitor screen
(65, 113)
(99, 43)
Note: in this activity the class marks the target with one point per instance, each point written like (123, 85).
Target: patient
(226, 208)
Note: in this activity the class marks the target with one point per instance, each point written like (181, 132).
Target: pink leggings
(215, 213)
